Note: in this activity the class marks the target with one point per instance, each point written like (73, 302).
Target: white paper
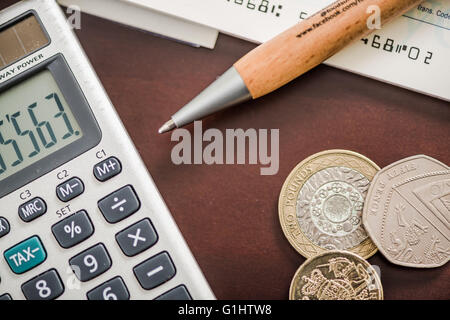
(423, 33)
(145, 18)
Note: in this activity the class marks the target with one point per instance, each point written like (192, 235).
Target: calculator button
(70, 189)
(4, 227)
(113, 289)
(91, 263)
(178, 293)
(25, 255)
(155, 271)
(137, 238)
(5, 297)
(73, 229)
(46, 286)
(32, 209)
(119, 204)
(107, 169)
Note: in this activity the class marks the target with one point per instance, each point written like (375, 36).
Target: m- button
(107, 169)
(70, 189)
(32, 209)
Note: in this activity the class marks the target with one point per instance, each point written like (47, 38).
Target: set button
(32, 209)
(73, 229)
(70, 189)
(107, 169)
(119, 204)
(25, 255)
(4, 227)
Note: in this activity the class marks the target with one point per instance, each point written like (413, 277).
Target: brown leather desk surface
(228, 213)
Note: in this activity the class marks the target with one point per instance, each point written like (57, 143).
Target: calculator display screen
(35, 122)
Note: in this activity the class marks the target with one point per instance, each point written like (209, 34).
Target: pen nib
(169, 125)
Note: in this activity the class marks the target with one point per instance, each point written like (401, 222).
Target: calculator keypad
(91, 263)
(25, 255)
(107, 169)
(178, 293)
(119, 204)
(32, 209)
(4, 227)
(137, 238)
(155, 271)
(114, 289)
(94, 261)
(70, 189)
(73, 229)
(46, 286)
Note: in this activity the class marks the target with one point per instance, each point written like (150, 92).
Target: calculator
(80, 216)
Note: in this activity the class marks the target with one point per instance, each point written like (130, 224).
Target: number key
(91, 263)
(113, 289)
(46, 286)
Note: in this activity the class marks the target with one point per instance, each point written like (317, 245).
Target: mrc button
(32, 209)
(107, 169)
(70, 189)
(25, 255)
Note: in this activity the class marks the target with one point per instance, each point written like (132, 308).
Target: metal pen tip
(169, 125)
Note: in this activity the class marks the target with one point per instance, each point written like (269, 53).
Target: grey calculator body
(76, 196)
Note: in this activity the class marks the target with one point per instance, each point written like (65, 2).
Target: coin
(407, 212)
(321, 202)
(336, 275)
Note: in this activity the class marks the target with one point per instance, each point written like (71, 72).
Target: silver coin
(329, 208)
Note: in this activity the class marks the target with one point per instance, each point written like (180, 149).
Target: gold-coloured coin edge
(300, 242)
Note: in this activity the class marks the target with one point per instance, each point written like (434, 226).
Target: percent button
(73, 229)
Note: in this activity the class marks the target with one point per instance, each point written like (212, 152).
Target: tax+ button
(25, 255)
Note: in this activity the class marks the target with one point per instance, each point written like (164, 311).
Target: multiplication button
(70, 189)
(32, 209)
(137, 238)
(73, 229)
(119, 204)
(107, 169)
(4, 227)
(46, 286)
(155, 271)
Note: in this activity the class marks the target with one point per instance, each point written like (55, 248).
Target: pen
(290, 54)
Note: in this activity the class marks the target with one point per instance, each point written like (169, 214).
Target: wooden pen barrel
(310, 42)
